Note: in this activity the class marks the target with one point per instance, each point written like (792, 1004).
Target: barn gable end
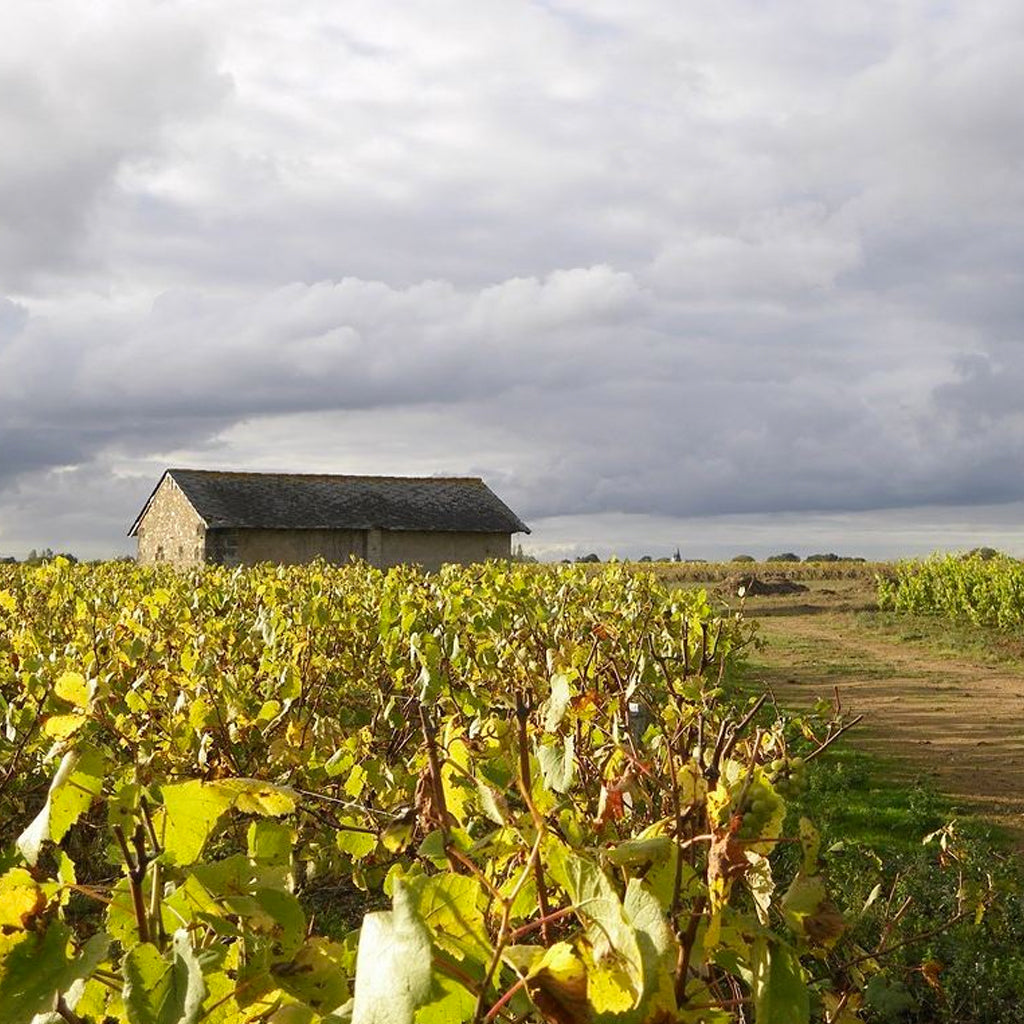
(169, 529)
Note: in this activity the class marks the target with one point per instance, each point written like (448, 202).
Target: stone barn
(195, 516)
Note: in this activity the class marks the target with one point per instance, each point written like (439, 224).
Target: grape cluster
(758, 807)
(789, 776)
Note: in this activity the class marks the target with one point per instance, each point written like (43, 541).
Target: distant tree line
(789, 556)
(35, 557)
(785, 556)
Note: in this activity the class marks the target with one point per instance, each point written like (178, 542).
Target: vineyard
(491, 794)
(983, 591)
(719, 572)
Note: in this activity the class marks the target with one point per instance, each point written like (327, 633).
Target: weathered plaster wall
(171, 530)
(290, 547)
(379, 547)
(433, 549)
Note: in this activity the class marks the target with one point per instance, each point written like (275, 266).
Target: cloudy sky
(732, 277)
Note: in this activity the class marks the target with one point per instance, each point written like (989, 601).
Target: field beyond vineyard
(557, 781)
(943, 702)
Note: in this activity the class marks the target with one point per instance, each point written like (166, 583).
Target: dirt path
(950, 717)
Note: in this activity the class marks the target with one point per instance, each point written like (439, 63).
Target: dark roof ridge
(326, 476)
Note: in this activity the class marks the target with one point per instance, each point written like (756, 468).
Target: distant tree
(830, 557)
(519, 556)
(7, 560)
(985, 554)
(591, 558)
(677, 557)
(47, 555)
(786, 556)
(743, 558)
(646, 558)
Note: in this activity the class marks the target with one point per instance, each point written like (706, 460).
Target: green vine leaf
(612, 938)
(192, 809)
(449, 905)
(319, 975)
(556, 763)
(161, 990)
(558, 702)
(393, 968)
(35, 969)
(78, 782)
(780, 991)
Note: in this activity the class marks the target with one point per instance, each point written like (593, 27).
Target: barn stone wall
(171, 530)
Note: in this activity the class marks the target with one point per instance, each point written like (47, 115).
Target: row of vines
(720, 572)
(525, 794)
(983, 591)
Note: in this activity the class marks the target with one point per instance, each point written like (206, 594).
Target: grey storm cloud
(618, 258)
(84, 96)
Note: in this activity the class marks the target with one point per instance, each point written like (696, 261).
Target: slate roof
(292, 501)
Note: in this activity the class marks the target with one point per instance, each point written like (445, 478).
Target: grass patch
(942, 636)
(872, 828)
(873, 820)
(789, 660)
(861, 798)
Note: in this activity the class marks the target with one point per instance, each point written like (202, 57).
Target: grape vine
(984, 591)
(545, 773)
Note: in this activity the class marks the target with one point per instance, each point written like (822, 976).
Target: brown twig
(677, 812)
(34, 724)
(500, 1004)
(920, 937)
(350, 804)
(503, 931)
(716, 753)
(526, 785)
(742, 724)
(136, 875)
(62, 1009)
(686, 942)
(555, 915)
(454, 852)
(831, 739)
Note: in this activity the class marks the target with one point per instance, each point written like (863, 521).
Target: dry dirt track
(952, 718)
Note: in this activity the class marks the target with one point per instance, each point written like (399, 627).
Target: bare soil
(937, 702)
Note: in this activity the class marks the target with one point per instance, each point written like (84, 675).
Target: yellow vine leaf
(60, 727)
(20, 899)
(72, 687)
